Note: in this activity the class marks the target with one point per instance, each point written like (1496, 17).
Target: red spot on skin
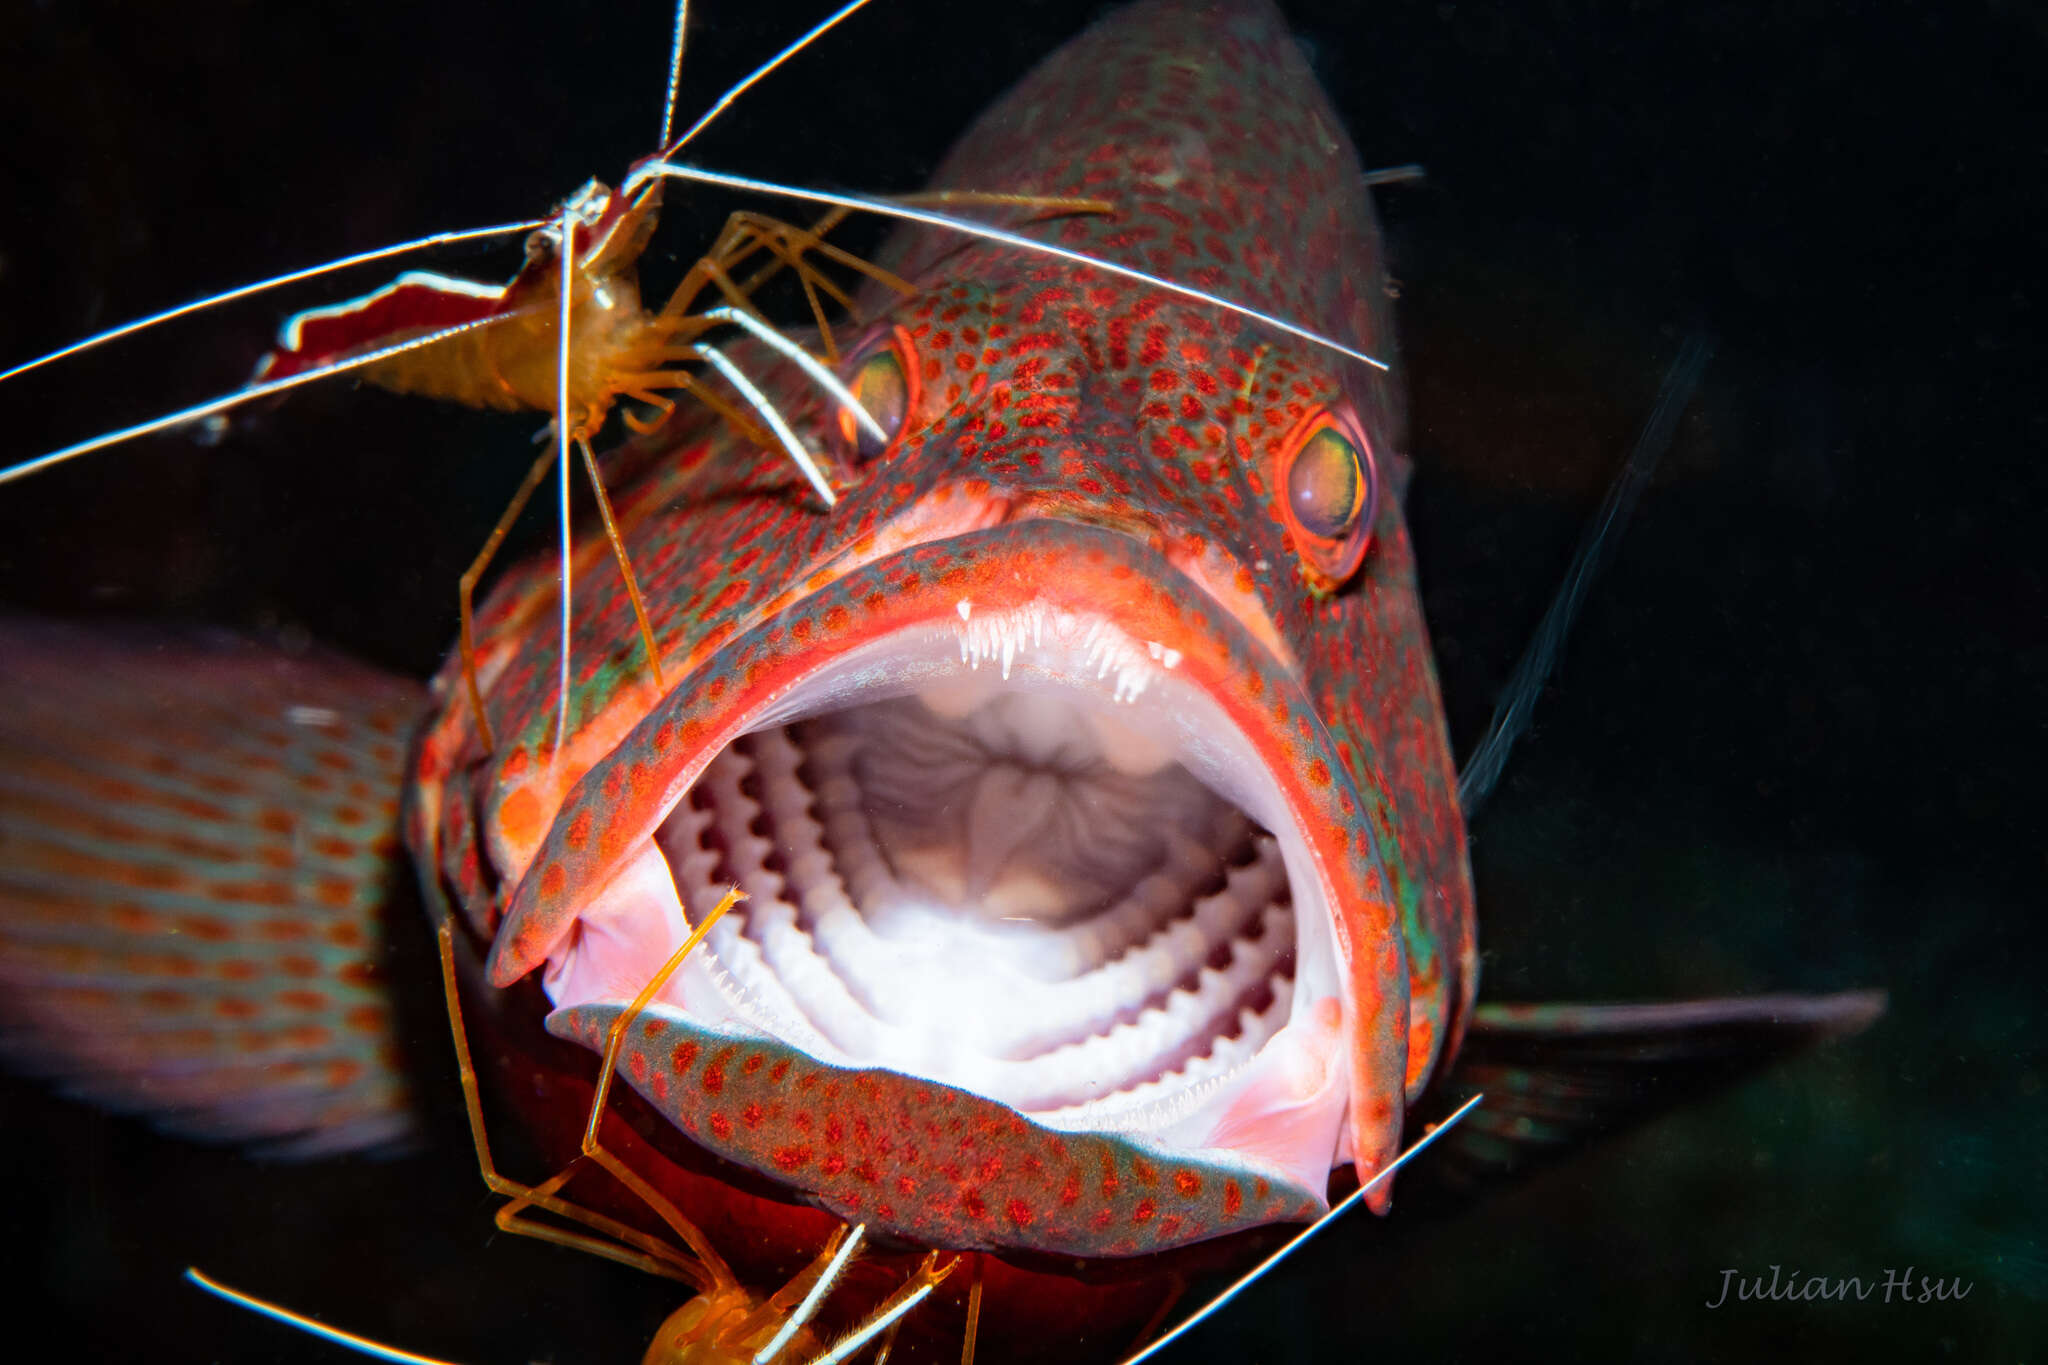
(683, 1058)
(905, 1186)
(1019, 1212)
(779, 1070)
(335, 892)
(1233, 1197)
(721, 1127)
(1145, 1171)
(972, 1204)
(1143, 1213)
(579, 829)
(1319, 773)
(1110, 1185)
(790, 1158)
(514, 764)
(1380, 1110)
(636, 1062)
(751, 1064)
(833, 1164)
(1188, 1183)
(752, 1115)
(553, 880)
(1421, 1034)
(714, 1078)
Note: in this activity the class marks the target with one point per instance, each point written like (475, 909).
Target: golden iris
(1326, 484)
(880, 386)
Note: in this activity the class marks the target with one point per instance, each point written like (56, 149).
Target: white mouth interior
(1016, 854)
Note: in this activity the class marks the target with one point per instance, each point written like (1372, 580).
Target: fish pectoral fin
(197, 837)
(1557, 1075)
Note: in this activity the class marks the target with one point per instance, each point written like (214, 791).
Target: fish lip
(618, 804)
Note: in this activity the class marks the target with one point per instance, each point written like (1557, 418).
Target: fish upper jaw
(1031, 819)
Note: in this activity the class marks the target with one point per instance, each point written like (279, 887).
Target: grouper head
(1084, 766)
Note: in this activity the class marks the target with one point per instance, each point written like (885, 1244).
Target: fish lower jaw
(1017, 854)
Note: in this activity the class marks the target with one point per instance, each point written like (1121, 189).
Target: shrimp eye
(1328, 481)
(882, 384)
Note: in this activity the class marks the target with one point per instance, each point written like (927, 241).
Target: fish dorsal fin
(1556, 1075)
(1511, 714)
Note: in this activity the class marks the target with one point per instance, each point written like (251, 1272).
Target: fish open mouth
(1018, 852)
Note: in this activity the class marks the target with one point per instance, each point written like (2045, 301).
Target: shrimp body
(509, 356)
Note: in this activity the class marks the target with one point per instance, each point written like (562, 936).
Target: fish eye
(883, 383)
(1325, 483)
(1329, 485)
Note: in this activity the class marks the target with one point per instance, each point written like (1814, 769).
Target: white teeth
(1104, 651)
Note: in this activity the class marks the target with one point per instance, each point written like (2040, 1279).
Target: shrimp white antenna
(675, 72)
(240, 396)
(826, 1279)
(805, 361)
(1489, 757)
(1343, 1206)
(720, 105)
(276, 281)
(681, 171)
(914, 1291)
(1394, 175)
(783, 435)
(568, 258)
(305, 1324)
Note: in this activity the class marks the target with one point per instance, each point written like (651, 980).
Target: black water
(1791, 747)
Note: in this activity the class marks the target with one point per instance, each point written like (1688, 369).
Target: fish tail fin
(197, 834)
(1556, 1075)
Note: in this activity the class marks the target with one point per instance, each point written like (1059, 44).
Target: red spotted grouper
(1084, 766)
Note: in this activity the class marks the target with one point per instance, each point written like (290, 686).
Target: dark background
(1791, 746)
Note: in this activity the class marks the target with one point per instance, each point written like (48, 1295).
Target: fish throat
(1016, 854)
(996, 888)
